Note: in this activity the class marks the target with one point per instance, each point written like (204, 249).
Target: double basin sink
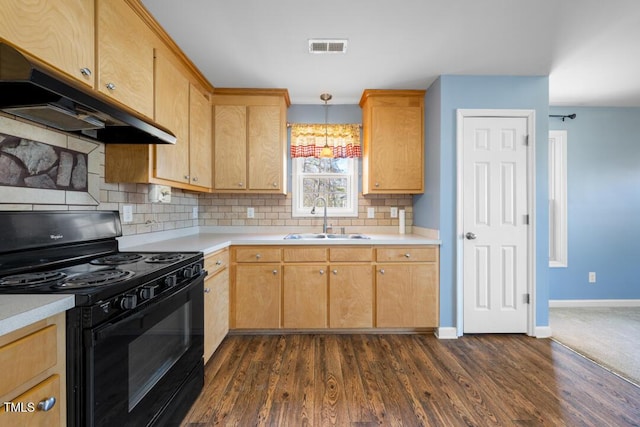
(318, 236)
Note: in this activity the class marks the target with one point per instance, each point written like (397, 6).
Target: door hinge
(526, 140)
(525, 220)
(527, 298)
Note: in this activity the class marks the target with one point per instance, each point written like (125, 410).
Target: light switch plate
(250, 212)
(371, 212)
(394, 212)
(194, 212)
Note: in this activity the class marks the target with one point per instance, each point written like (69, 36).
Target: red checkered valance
(307, 140)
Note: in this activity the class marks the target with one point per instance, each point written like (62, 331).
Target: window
(558, 235)
(335, 180)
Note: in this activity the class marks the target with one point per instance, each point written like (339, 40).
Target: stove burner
(32, 279)
(95, 278)
(164, 258)
(117, 259)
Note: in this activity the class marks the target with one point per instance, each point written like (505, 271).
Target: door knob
(470, 236)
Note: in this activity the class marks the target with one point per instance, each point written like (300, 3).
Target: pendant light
(327, 152)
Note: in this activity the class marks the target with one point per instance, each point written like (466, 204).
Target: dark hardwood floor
(408, 380)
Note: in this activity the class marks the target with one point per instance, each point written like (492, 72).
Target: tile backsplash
(222, 210)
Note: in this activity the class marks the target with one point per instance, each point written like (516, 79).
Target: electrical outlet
(394, 212)
(194, 213)
(592, 277)
(250, 212)
(127, 213)
(371, 212)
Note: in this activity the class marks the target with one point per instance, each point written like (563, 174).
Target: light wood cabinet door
(350, 296)
(172, 111)
(61, 33)
(407, 295)
(305, 296)
(216, 311)
(200, 139)
(257, 294)
(265, 144)
(393, 155)
(125, 56)
(230, 147)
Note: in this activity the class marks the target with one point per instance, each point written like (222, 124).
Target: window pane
(314, 165)
(333, 189)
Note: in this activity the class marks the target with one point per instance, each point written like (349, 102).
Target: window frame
(297, 195)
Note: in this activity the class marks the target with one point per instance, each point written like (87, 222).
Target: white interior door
(495, 218)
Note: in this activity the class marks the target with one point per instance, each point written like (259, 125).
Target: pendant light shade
(326, 152)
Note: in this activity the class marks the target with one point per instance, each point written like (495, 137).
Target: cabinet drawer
(27, 413)
(257, 254)
(23, 359)
(350, 254)
(216, 261)
(407, 254)
(304, 254)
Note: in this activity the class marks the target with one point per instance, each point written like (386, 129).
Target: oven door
(142, 366)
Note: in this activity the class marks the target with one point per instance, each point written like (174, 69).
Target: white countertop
(17, 311)
(211, 242)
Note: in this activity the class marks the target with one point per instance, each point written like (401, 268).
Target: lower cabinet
(305, 296)
(216, 301)
(32, 378)
(407, 287)
(317, 287)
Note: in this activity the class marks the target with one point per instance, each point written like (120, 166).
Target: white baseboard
(542, 331)
(594, 303)
(448, 333)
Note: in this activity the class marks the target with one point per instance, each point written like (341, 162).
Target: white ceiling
(589, 48)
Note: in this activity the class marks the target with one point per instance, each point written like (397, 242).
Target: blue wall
(603, 204)
(481, 92)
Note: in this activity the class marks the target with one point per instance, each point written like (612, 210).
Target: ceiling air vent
(327, 46)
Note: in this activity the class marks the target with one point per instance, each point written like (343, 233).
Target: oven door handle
(94, 336)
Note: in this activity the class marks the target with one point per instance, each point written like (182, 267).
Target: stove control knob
(188, 272)
(171, 280)
(128, 301)
(197, 268)
(148, 292)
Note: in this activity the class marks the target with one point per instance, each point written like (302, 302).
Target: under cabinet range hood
(31, 90)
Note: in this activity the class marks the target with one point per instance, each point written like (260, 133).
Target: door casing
(461, 114)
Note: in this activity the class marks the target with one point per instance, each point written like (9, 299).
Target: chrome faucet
(313, 211)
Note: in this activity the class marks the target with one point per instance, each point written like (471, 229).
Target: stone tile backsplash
(223, 210)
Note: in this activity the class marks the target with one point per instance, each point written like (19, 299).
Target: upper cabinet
(125, 56)
(250, 140)
(393, 138)
(61, 33)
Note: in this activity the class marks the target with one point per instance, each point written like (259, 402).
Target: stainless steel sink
(316, 236)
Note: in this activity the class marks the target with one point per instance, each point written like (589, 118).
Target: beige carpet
(610, 336)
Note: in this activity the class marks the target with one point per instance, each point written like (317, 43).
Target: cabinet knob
(219, 262)
(258, 256)
(207, 290)
(275, 272)
(47, 404)
(407, 255)
(382, 271)
(195, 179)
(111, 86)
(275, 184)
(85, 71)
(321, 271)
(335, 272)
(187, 177)
(240, 184)
(377, 184)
